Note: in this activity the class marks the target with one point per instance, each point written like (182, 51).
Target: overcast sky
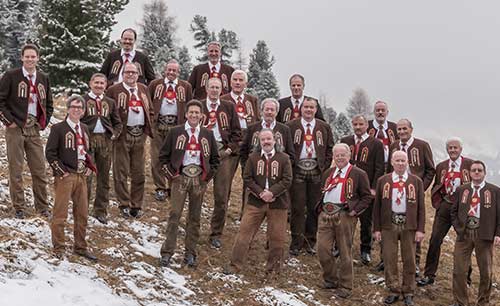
(435, 62)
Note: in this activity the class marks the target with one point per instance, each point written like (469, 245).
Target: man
(450, 174)
(367, 153)
(346, 194)
(475, 216)
(102, 119)
(399, 215)
(66, 152)
(420, 161)
(313, 143)
(290, 106)
(136, 113)
(169, 95)
(268, 175)
(384, 130)
(115, 62)
(220, 117)
(213, 69)
(25, 110)
(189, 159)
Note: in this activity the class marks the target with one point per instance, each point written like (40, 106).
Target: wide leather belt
(307, 164)
(472, 223)
(136, 130)
(398, 219)
(167, 121)
(333, 208)
(81, 167)
(192, 170)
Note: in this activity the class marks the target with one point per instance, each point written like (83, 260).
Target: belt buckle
(472, 223)
(332, 208)
(192, 170)
(398, 219)
(135, 130)
(307, 164)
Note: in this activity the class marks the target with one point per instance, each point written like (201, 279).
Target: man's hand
(87, 172)
(419, 236)
(377, 236)
(496, 241)
(12, 125)
(266, 196)
(65, 174)
(353, 213)
(372, 191)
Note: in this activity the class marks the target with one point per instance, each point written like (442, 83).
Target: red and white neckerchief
(194, 146)
(400, 186)
(212, 116)
(80, 142)
(359, 139)
(308, 140)
(474, 203)
(170, 95)
(296, 109)
(241, 109)
(449, 179)
(134, 103)
(214, 73)
(333, 181)
(33, 90)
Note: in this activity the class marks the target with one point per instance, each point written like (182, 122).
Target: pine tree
(261, 79)
(342, 127)
(359, 104)
(229, 42)
(328, 112)
(241, 60)
(74, 36)
(184, 60)
(158, 34)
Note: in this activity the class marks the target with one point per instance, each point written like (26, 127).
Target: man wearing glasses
(135, 109)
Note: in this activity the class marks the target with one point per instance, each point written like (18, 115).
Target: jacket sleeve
(421, 207)
(49, 108)
(248, 179)
(149, 72)
(165, 156)
(377, 207)
(365, 196)
(192, 79)
(246, 146)
(430, 169)
(289, 149)
(329, 146)
(235, 133)
(455, 221)
(379, 163)
(214, 157)
(51, 153)
(5, 85)
(116, 121)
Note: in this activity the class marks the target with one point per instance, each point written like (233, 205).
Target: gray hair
(454, 138)
(239, 71)
(214, 42)
(98, 75)
(266, 130)
(72, 98)
(297, 75)
(359, 116)
(382, 102)
(270, 100)
(342, 145)
(408, 121)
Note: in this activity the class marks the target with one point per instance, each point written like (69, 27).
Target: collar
(217, 66)
(128, 88)
(385, 125)
(235, 96)
(481, 186)
(344, 170)
(458, 162)
(395, 176)
(264, 154)
(273, 124)
(210, 102)
(304, 123)
(363, 137)
(132, 53)
(26, 73)
(94, 96)
(71, 124)
(408, 143)
(301, 99)
(167, 81)
(187, 127)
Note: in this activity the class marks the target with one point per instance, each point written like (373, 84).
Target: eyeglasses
(130, 72)
(76, 107)
(476, 170)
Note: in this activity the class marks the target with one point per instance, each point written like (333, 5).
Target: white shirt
(192, 157)
(32, 107)
(301, 100)
(481, 186)
(385, 126)
(99, 128)
(408, 144)
(271, 126)
(333, 196)
(363, 137)
(124, 58)
(263, 153)
(217, 66)
(401, 207)
(134, 118)
(303, 152)
(215, 128)
(169, 108)
(80, 149)
(243, 122)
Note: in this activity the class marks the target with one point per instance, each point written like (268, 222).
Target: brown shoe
(86, 254)
(343, 293)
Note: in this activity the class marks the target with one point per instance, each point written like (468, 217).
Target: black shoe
(343, 293)
(125, 212)
(391, 299)
(366, 258)
(101, 219)
(417, 271)
(380, 266)
(45, 213)
(160, 195)
(330, 285)
(136, 213)
(335, 252)
(425, 281)
(165, 260)
(215, 242)
(294, 252)
(20, 214)
(190, 260)
(408, 300)
(86, 254)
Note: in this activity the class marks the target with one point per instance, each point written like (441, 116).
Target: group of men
(204, 128)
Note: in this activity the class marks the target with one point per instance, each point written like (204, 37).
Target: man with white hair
(384, 130)
(450, 174)
(213, 69)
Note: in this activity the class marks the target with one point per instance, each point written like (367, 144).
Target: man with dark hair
(170, 95)
(290, 106)
(25, 110)
(313, 143)
(136, 113)
(115, 61)
(189, 159)
(66, 152)
(367, 153)
(475, 215)
(213, 69)
(104, 123)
